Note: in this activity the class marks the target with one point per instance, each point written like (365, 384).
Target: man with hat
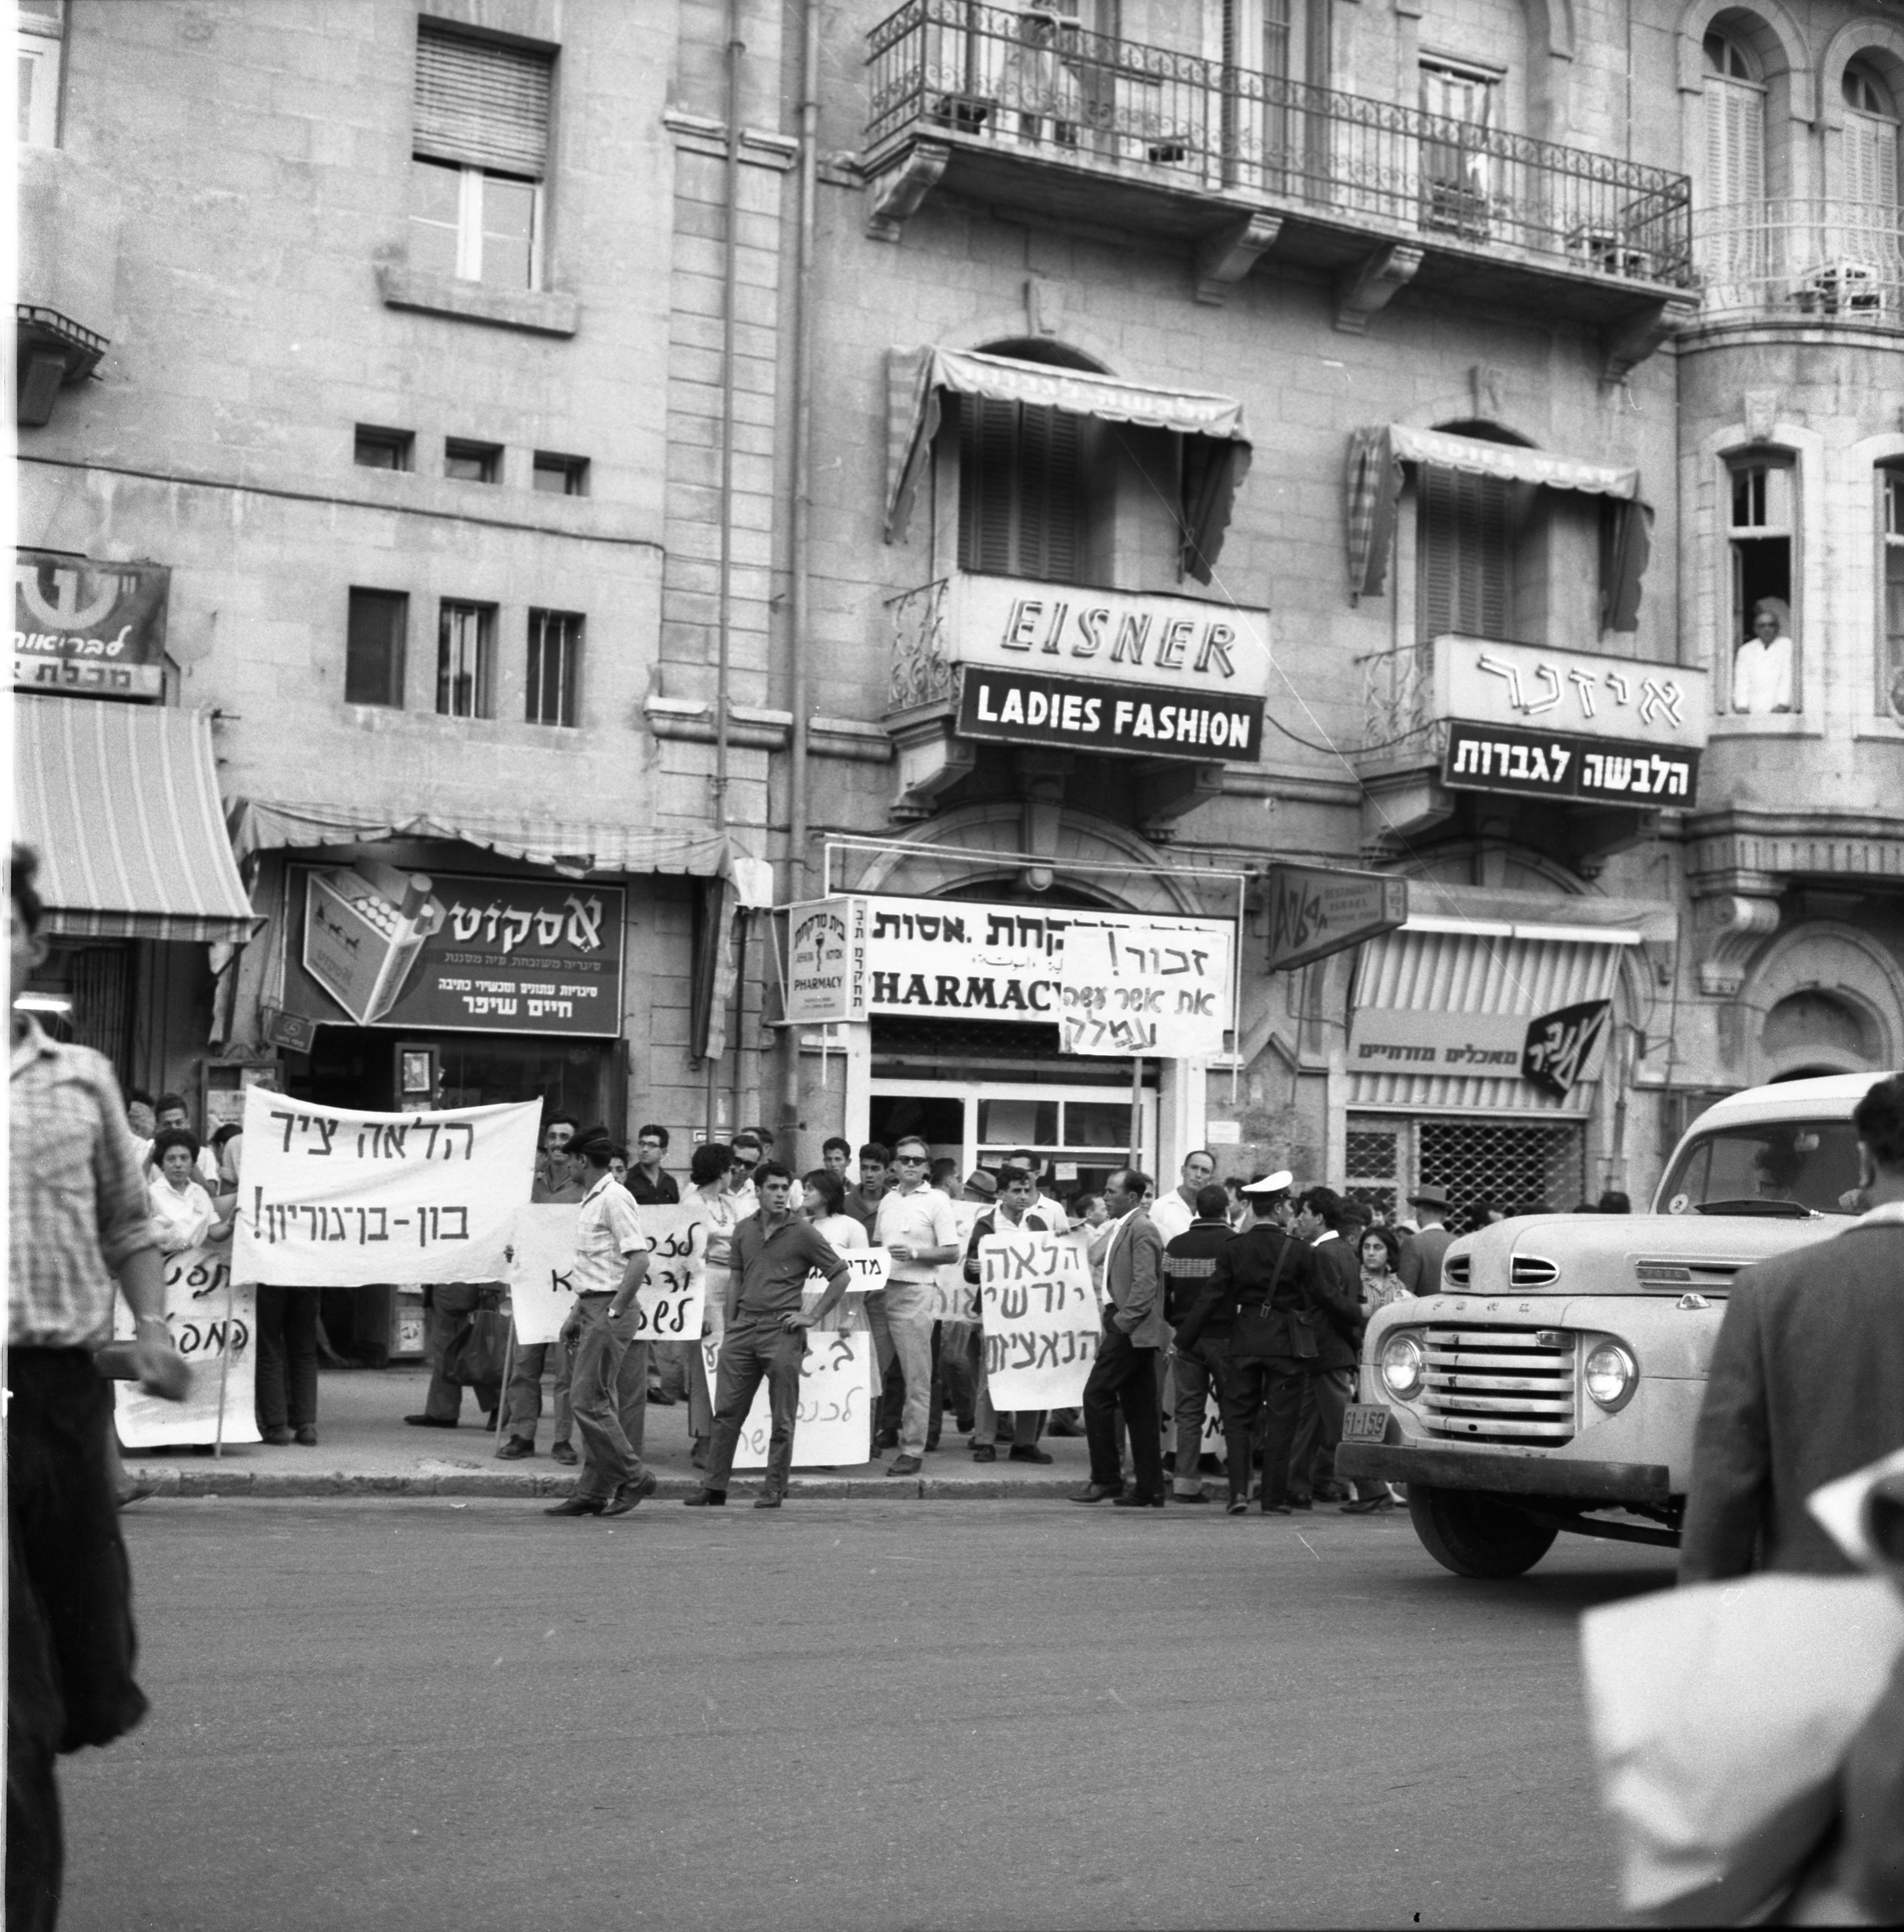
(1423, 1252)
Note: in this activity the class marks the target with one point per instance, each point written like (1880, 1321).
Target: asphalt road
(958, 1715)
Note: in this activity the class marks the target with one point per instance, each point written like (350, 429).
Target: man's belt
(595, 1294)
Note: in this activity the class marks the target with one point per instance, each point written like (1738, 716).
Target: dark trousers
(747, 1354)
(1318, 1430)
(287, 1357)
(1263, 1399)
(452, 1303)
(70, 1645)
(1124, 1378)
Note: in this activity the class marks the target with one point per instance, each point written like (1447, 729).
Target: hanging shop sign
(858, 955)
(1555, 1052)
(1569, 724)
(369, 945)
(1314, 911)
(94, 630)
(1028, 708)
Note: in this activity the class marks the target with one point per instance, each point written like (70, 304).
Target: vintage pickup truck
(1554, 1381)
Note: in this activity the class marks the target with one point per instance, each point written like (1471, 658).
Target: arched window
(1870, 152)
(1735, 123)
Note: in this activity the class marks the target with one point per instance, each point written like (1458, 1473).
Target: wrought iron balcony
(1806, 262)
(977, 95)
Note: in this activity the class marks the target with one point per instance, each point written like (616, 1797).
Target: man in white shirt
(1763, 666)
(1172, 1215)
(916, 1226)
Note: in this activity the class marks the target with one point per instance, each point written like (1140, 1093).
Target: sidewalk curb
(272, 1486)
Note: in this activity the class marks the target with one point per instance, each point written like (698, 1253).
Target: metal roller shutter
(481, 104)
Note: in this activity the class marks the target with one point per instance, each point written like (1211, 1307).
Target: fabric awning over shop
(1216, 448)
(1376, 457)
(121, 802)
(574, 848)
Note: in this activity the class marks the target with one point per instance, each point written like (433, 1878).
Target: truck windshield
(1773, 1167)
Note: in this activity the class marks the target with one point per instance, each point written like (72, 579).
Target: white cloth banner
(332, 1197)
(669, 1302)
(833, 1429)
(197, 1281)
(1161, 991)
(1041, 1317)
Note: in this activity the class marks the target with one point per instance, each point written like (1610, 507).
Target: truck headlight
(1612, 1374)
(1402, 1361)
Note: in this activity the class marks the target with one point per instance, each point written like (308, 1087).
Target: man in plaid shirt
(79, 1217)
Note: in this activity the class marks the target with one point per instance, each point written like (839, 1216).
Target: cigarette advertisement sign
(371, 946)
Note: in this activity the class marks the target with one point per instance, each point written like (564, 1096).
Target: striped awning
(121, 803)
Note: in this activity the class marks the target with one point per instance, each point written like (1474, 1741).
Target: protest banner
(838, 1381)
(668, 1304)
(334, 1197)
(1040, 1317)
(953, 1297)
(1162, 989)
(206, 1316)
(870, 1266)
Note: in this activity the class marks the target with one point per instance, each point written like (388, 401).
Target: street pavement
(425, 1713)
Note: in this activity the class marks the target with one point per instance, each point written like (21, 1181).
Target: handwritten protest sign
(336, 1197)
(197, 1282)
(870, 1266)
(953, 1297)
(837, 1382)
(1040, 1319)
(1161, 989)
(668, 1304)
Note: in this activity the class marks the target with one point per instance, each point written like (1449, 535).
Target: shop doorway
(1540, 1163)
(1079, 1134)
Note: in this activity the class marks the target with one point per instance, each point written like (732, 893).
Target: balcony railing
(1023, 83)
(1795, 261)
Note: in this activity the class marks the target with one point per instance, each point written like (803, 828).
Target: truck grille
(1505, 1384)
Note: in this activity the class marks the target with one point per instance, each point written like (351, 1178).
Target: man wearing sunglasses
(916, 1226)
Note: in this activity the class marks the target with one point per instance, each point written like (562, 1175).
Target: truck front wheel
(1476, 1534)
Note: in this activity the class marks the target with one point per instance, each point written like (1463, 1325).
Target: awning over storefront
(1376, 457)
(567, 846)
(1216, 448)
(121, 802)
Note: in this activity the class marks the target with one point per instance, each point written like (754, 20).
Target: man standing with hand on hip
(916, 1226)
(80, 1220)
(611, 1262)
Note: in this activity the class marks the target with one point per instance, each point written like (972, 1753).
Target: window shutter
(1735, 142)
(988, 442)
(481, 104)
(1018, 487)
(1870, 160)
(1467, 554)
(1048, 483)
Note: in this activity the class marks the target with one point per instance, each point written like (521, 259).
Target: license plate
(1365, 1422)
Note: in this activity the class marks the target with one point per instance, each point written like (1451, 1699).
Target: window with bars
(1890, 669)
(1021, 490)
(1473, 1162)
(554, 678)
(466, 649)
(1465, 546)
(374, 649)
(479, 149)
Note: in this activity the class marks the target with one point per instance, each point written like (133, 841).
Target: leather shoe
(514, 1449)
(1196, 1496)
(278, 1438)
(629, 1494)
(767, 1499)
(1302, 1502)
(1238, 1506)
(1368, 1505)
(1027, 1452)
(577, 1506)
(428, 1422)
(1278, 1509)
(1131, 1499)
(306, 1436)
(564, 1453)
(705, 1499)
(904, 1466)
(491, 1418)
(1096, 1492)
(985, 1453)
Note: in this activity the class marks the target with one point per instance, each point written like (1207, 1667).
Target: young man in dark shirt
(651, 1187)
(1189, 1263)
(775, 1249)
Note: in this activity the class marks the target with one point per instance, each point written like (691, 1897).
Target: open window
(1890, 660)
(1762, 640)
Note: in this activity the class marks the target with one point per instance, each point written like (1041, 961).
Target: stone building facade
(820, 358)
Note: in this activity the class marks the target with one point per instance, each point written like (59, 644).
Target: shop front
(1478, 1051)
(1078, 1032)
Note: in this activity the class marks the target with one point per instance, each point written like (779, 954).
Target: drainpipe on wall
(802, 517)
